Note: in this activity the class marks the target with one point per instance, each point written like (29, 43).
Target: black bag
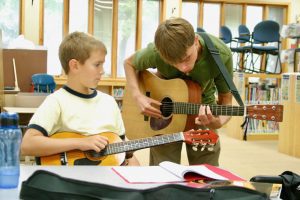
(46, 185)
(290, 186)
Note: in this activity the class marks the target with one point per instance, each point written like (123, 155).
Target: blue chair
(226, 36)
(199, 30)
(43, 83)
(264, 33)
(243, 39)
(244, 34)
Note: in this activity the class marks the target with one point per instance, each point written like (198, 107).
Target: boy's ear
(73, 64)
(196, 39)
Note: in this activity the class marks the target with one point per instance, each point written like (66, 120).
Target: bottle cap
(9, 119)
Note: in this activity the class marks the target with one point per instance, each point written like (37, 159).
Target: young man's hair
(78, 46)
(172, 39)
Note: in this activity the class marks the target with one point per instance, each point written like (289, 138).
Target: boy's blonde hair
(78, 46)
(172, 39)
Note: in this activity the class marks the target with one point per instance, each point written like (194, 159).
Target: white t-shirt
(66, 110)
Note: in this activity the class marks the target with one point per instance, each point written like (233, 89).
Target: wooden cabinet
(256, 89)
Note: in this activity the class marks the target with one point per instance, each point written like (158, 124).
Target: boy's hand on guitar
(94, 142)
(149, 107)
(206, 118)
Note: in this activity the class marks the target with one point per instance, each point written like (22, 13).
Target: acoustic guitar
(114, 152)
(181, 100)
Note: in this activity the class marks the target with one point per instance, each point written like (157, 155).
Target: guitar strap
(216, 57)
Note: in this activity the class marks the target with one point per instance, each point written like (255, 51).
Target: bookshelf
(289, 137)
(256, 89)
(113, 87)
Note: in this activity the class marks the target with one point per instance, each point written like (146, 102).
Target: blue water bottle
(10, 140)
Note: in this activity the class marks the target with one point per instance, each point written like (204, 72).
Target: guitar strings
(170, 106)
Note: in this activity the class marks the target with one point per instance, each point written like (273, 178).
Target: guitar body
(77, 157)
(113, 153)
(179, 90)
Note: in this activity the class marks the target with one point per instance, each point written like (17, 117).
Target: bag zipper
(211, 194)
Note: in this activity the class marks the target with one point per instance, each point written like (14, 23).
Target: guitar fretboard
(132, 145)
(193, 109)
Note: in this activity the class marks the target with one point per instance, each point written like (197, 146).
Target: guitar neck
(143, 143)
(193, 109)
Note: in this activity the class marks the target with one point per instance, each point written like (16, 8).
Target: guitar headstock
(265, 112)
(200, 137)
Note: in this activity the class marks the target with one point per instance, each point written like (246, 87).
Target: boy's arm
(145, 103)
(34, 143)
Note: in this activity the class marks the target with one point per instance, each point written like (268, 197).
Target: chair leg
(280, 65)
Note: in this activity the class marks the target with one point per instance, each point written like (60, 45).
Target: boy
(76, 107)
(178, 53)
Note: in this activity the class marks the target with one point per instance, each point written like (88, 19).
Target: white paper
(146, 174)
(181, 170)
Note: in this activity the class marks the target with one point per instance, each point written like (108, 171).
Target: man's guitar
(180, 104)
(114, 152)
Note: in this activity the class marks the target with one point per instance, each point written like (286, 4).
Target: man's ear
(73, 65)
(196, 39)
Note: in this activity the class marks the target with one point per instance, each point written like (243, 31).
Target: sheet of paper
(145, 174)
(181, 170)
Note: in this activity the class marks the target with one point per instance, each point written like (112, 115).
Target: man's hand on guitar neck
(206, 118)
(148, 106)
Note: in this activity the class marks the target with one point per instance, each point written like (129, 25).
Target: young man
(178, 52)
(77, 107)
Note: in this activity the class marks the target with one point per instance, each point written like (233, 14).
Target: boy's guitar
(180, 105)
(114, 152)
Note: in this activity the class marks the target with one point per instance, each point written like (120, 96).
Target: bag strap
(216, 56)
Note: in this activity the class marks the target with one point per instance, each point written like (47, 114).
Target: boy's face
(188, 62)
(92, 69)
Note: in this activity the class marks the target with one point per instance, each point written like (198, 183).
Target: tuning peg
(210, 148)
(203, 147)
(195, 146)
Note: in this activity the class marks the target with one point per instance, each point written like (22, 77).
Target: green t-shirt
(205, 71)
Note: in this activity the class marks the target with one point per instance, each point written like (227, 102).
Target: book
(169, 172)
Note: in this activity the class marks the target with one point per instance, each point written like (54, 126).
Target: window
(233, 17)
(78, 16)
(150, 21)
(9, 23)
(53, 18)
(126, 32)
(276, 13)
(211, 18)
(254, 16)
(103, 12)
(190, 13)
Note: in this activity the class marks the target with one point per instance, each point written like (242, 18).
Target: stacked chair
(243, 39)
(226, 36)
(43, 83)
(265, 33)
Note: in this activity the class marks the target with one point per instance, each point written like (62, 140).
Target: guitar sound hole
(166, 109)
